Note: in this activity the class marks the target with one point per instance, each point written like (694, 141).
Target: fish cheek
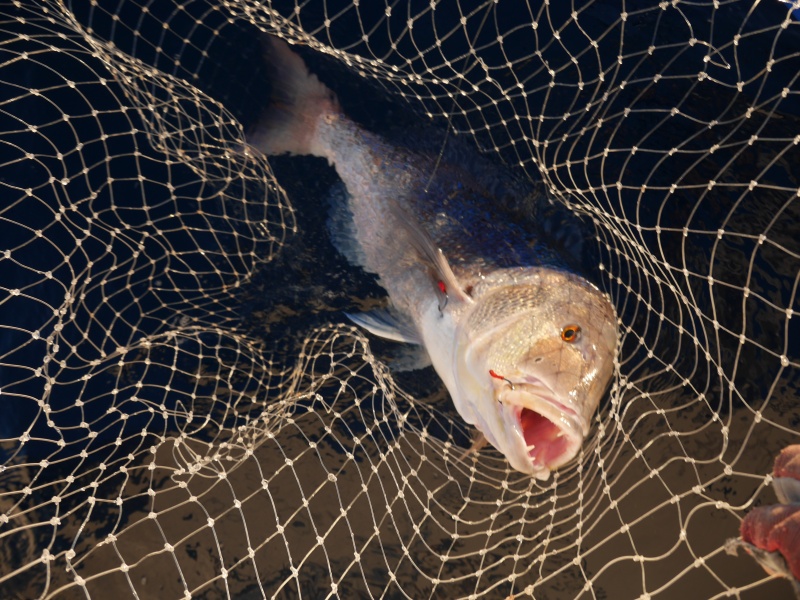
(544, 356)
(560, 365)
(471, 378)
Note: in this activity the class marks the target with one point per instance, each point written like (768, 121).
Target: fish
(525, 346)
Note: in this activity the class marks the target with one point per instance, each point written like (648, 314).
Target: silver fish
(525, 347)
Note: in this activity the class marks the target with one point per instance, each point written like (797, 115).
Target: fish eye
(570, 333)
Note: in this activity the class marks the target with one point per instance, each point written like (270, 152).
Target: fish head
(532, 361)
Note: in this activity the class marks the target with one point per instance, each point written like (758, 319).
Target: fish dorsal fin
(431, 253)
(386, 324)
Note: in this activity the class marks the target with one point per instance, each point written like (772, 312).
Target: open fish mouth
(549, 444)
(550, 432)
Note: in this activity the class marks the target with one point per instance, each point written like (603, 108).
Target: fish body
(524, 346)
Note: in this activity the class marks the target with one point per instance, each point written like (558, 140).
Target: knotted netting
(187, 413)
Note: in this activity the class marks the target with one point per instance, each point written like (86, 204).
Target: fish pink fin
(299, 100)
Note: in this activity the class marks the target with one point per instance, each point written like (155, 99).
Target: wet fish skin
(487, 301)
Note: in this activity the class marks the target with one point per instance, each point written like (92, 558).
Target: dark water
(661, 246)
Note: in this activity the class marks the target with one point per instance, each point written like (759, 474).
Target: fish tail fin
(299, 101)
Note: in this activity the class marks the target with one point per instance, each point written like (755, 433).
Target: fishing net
(186, 413)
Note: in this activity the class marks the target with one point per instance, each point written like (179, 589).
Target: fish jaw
(542, 434)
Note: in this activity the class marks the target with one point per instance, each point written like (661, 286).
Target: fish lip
(539, 390)
(535, 396)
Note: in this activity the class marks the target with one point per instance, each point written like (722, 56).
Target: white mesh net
(184, 411)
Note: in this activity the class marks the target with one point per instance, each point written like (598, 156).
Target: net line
(187, 415)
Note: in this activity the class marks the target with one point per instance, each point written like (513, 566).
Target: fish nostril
(539, 359)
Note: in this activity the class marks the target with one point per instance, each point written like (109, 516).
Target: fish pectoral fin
(430, 252)
(386, 324)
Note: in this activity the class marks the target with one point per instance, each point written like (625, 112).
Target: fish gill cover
(186, 413)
